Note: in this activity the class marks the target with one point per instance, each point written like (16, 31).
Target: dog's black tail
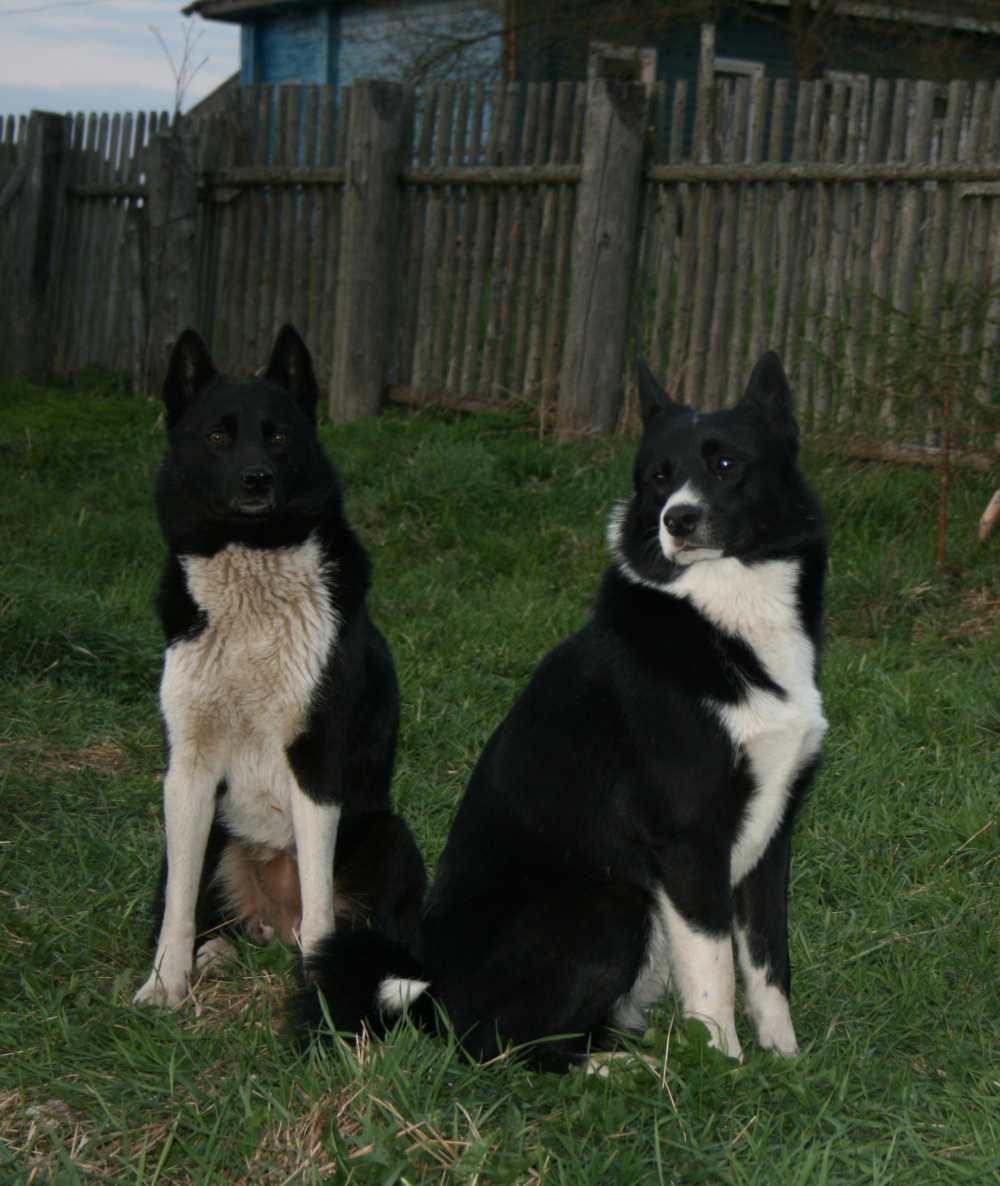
(358, 979)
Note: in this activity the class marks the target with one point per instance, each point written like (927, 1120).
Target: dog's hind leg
(547, 969)
(213, 955)
(380, 876)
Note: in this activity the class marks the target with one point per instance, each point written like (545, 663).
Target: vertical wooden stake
(369, 260)
(174, 247)
(35, 246)
(605, 231)
(704, 128)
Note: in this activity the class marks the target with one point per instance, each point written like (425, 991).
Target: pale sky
(102, 55)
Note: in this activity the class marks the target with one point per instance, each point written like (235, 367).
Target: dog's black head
(243, 463)
(716, 484)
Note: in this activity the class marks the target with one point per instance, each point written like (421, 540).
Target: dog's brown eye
(280, 439)
(719, 463)
(217, 438)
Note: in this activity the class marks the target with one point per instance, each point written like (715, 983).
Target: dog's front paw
(779, 1038)
(772, 1022)
(311, 943)
(162, 992)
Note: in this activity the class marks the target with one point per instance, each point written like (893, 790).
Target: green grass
(487, 545)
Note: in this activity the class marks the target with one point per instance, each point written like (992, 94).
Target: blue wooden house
(336, 41)
(331, 42)
(941, 39)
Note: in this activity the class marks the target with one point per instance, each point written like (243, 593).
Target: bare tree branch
(184, 70)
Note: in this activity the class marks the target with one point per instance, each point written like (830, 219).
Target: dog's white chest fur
(779, 735)
(236, 695)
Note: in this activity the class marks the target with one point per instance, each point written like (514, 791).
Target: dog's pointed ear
(653, 400)
(190, 370)
(291, 367)
(769, 394)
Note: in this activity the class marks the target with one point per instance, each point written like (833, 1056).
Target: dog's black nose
(257, 480)
(682, 519)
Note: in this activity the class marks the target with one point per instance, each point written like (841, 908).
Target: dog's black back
(629, 823)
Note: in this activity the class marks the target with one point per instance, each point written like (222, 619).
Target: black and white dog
(278, 695)
(628, 826)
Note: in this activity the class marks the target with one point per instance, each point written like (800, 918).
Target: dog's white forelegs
(315, 826)
(188, 808)
(703, 977)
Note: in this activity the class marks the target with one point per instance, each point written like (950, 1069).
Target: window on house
(730, 69)
(856, 80)
(846, 76)
(628, 62)
(738, 68)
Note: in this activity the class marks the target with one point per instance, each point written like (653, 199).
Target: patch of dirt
(980, 615)
(106, 758)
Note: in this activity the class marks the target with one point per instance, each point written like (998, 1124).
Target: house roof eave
(941, 16)
(239, 10)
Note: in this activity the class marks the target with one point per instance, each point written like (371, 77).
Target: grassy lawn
(487, 546)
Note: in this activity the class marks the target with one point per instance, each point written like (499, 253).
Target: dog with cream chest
(279, 695)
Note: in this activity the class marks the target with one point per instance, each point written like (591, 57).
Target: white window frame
(851, 76)
(744, 66)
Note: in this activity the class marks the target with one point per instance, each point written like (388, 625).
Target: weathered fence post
(40, 198)
(369, 259)
(172, 186)
(591, 388)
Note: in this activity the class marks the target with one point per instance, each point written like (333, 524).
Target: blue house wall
(678, 49)
(543, 56)
(403, 41)
(336, 43)
(296, 46)
(325, 42)
(756, 41)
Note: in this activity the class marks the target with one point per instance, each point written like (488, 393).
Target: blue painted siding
(248, 55)
(332, 42)
(420, 40)
(758, 42)
(677, 49)
(291, 47)
(336, 44)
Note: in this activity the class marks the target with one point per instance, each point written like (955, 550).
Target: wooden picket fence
(871, 239)
(528, 241)
(476, 315)
(92, 311)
